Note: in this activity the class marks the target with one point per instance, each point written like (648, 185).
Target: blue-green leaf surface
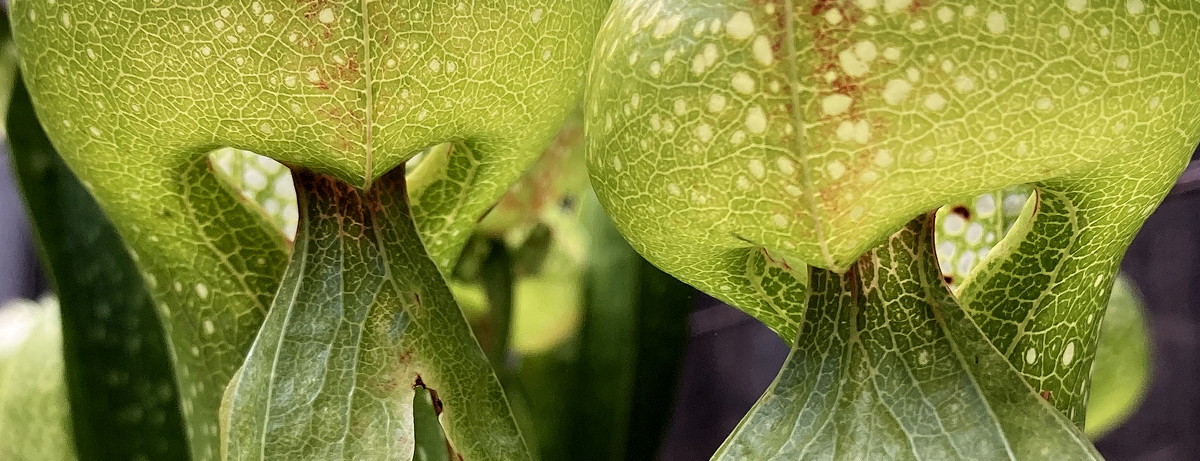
(889, 366)
(362, 317)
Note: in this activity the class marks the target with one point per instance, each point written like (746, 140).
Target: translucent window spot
(836, 104)
(209, 328)
(756, 120)
(202, 290)
(673, 189)
(1044, 104)
(966, 262)
(743, 183)
(834, 16)
(704, 132)
(867, 4)
(742, 82)
(1014, 203)
(835, 169)
(1068, 354)
(923, 358)
(667, 26)
(1135, 6)
(985, 205)
(996, 22)
(785, 165)
(856, 61)
(1077, 5)
(1031, 356)
(1154, 102)
(969, 10)
(680, 106)
(1123, 61)
(716, 103)
(1155, 28)
(945, 14)
(964, 84)
(779, 220)
(868, 177)
(891, 53)
(762, 51)
(859, 132)
(883, 158)
(326, 16)
(757, 169)
(892, 6)
(740, 26)
(935, 101)
(974, 233)
(896, 91)
(913, 74)
(953, 224)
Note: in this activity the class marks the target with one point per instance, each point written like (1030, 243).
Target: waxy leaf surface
(813, 128)
(889, 366)
(362, 318)
(135, 94)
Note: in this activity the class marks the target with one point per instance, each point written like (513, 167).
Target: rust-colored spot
(961, 211)
(312, 8)
(1046, 396)
(433, 395)
(949, 279)
(780, 262)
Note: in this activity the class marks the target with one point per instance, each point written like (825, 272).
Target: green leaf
(119, 380)
(1042, 292)
(814, 130)
(362, 317)
(1121, 374)
(34, 411)
(967, 231)
(264, 183)
(430, 442)
(888, 366)
(135, 95)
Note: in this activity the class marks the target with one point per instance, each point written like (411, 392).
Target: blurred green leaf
(1122, 370)
(123, 395)
(429, 439)
(35, 419)
(630, 346)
